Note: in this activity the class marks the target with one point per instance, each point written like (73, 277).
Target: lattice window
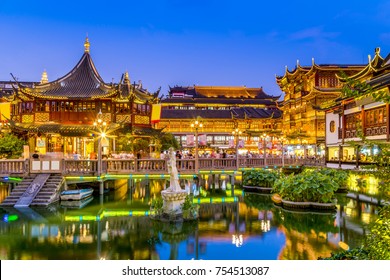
(42, 117)
(352, 121)
(142, 119)
(376, 117)
(27, 118)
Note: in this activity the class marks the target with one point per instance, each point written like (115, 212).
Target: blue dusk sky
(188, 42)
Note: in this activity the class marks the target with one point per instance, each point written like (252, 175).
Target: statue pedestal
(172, 201)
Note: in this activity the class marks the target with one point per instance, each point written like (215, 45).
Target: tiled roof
(239, 113)
(231, 101)
(63, 130)
(83, 81)
(222, 92)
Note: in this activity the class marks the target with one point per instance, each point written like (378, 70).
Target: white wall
(331, 137)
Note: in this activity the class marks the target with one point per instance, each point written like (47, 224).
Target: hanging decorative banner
(231, 143)
(202, 139)
(156, 113)
(269, 145)
(190, 140)
(241, 144)
(260, 145)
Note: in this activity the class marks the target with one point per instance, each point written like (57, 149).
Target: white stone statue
(174, 196)
(174, 185)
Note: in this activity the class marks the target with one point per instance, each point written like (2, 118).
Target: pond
(233, 225)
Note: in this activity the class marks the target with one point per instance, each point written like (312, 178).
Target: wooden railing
(141, 166)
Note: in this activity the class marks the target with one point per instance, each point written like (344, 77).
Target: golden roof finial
(127, 78)
(86, 45)
(44, 79)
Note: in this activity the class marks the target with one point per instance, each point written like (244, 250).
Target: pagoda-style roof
(7, 88)
(61, 129)
(135, 92)
(375, 67)
(219, 93)
(237, 113)
(306, 71)
(141, 131)
(376, 74)
(83, 81)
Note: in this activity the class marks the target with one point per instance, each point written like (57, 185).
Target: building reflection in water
(230, 227)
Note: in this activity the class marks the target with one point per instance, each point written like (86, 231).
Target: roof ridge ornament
(127, 78)
(86, 45)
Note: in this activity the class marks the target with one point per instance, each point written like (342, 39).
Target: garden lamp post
(236, 133)
(282, 140)
(264, 136)
(100, 125)
(196, 125)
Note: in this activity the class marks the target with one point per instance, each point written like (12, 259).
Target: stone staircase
(18, 191)
(47, 194)
(50, 192)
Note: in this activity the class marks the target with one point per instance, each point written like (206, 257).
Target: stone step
(48, 193)
(45, 193)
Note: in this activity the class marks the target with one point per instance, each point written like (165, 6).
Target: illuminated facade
(221, 110)
(348, 118)
(57, 117)
(305, 88)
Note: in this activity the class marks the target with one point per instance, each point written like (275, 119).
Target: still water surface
(234, 226)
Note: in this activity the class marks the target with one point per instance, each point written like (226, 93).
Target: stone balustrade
(67, 167)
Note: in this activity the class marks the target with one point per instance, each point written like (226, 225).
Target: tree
(360, 89)
(140, 144)
(168, 140)
(125, 143)
(11, 146)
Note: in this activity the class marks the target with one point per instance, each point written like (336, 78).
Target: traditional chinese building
(349, 119)
(306, 87)
(221, 110)
(58, 116)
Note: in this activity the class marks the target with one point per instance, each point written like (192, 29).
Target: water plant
(339, 176)
(307, 186)
(156, 206)
(189, 209)
(260, 178)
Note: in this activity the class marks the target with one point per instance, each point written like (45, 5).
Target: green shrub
(308, 186)
(337, 175)
(260, 178)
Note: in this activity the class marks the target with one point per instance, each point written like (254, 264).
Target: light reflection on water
(115, 226)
